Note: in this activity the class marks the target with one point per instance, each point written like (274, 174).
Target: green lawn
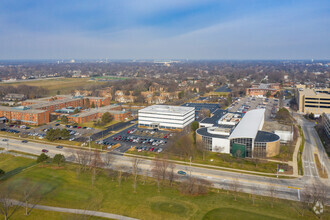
(50, 215)
(223, 160)
(62, 187)
(91, 124)
(13, 165)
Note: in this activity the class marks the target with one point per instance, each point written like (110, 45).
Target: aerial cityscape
(164, 109)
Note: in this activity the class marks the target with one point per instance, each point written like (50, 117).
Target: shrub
(42, 157)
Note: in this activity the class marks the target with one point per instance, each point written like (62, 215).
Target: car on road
(44, 150)
(180, 172)
(24, 141)
(4, 139)
(59, 147)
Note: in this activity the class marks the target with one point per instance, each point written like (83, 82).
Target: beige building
(316, 101)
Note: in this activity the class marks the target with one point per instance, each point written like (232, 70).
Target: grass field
(222, 160)
(62, 187)
(49, 215)
(64, 85)
(13, 165)
(91, 124)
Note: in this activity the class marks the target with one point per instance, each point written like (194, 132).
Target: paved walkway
(294, 162)
(76, 211)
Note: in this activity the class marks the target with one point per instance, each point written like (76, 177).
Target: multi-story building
(55, 103)
(316, 101)
(326, 123)
(263, 89)
(166, 117)
(95, 114)
(99, 101)
(25, 115)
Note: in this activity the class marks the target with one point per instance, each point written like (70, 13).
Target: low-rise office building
(316, 101)
(242, 138)
(166, 117)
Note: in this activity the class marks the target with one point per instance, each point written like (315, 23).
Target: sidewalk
(75, 211)
(294, 162)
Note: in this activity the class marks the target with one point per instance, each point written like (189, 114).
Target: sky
(159, 29)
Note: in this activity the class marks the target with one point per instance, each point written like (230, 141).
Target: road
(313, 145)
(285, 188)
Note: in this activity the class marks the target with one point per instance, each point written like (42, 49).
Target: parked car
(24, 141)
(4, 139)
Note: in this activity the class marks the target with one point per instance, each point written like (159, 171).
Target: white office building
(166, 117)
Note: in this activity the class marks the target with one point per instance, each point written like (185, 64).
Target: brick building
(263, 89)
(24, 115)
(99, 101)
(95, 114)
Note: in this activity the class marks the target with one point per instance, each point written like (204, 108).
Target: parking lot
(140, 139)
(40, 132)
(249, 103)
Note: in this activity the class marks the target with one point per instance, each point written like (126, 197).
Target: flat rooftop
(204, 132)
(313, 92)
(215, 117)
(109, 108)
(22, 109)
(167, 109)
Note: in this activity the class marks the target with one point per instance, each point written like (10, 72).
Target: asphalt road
(285, 188)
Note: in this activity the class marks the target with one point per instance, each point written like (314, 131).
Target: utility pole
(277, 172)
(89, 143)
(190, 166)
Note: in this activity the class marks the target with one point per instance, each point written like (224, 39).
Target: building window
(207, 141)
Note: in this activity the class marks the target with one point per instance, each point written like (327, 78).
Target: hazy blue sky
(157, 29)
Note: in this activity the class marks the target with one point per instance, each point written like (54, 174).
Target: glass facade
(244, 141)
(207, 143)
(259, 149)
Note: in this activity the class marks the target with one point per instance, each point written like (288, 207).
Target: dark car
(59, 147)
(24, 141)
(44, 150)
(4, 139)
(57, 124)
(180, 172)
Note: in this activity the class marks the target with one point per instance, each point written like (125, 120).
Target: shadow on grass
(15, 171)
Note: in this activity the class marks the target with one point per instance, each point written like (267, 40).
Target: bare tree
(135, 170)
(194, 186)
(306, 197)
(157, 171)
(120, 170)
(108, 160)
(83, 158)
(96, 164)
(31, 195)
(272, 193)
(235, 187)
(7, 206)
(171, 173)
